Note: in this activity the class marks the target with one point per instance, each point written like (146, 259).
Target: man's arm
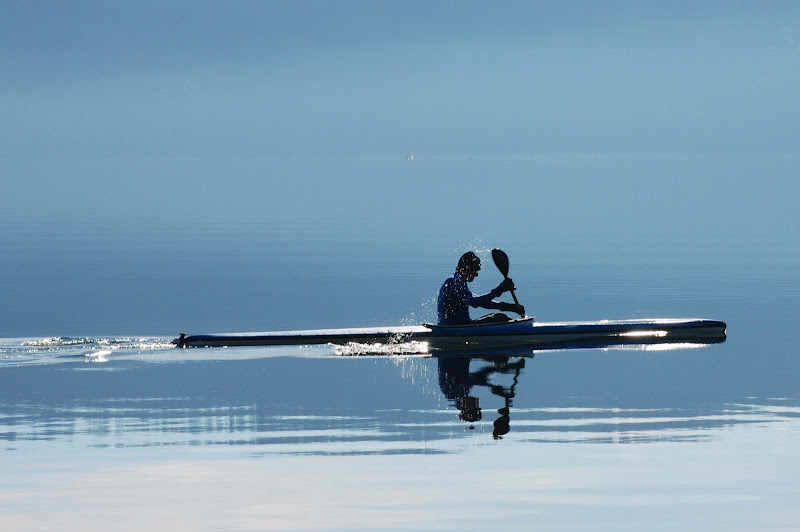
(485, 301)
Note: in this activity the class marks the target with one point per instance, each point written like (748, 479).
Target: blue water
(100, 416)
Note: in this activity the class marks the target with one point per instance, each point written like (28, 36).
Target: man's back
(453, 301)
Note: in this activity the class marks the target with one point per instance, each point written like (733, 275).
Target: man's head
(470, 409)
(468, 266)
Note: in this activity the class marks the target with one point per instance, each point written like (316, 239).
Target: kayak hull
(524, 331)
(518, 332)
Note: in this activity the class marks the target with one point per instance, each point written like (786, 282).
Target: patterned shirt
(455, 298)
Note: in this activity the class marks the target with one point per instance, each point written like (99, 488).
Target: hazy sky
(443, 78)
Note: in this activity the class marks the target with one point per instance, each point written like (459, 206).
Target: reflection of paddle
(501, 261)
(502, 425)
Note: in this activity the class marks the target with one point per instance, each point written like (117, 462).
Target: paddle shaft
(512, 292)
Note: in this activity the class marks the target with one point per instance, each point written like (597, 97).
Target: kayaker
(455, 297)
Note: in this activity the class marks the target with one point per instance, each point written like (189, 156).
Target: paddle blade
(500, 260)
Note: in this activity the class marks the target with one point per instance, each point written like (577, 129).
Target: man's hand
(513, 307)
(505, 286)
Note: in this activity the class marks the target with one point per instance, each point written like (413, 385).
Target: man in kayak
(455, 297)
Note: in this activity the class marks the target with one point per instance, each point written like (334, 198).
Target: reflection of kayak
(515, 332)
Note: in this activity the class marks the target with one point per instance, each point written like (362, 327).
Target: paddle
(501, 261)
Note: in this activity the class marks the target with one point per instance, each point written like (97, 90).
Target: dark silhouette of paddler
(455, 297)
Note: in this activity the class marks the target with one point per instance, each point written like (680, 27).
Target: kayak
(524, 331)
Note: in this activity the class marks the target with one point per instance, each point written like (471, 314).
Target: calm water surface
(103, 423)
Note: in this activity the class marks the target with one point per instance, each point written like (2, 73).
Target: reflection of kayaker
(456, 382)
(455, 297)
